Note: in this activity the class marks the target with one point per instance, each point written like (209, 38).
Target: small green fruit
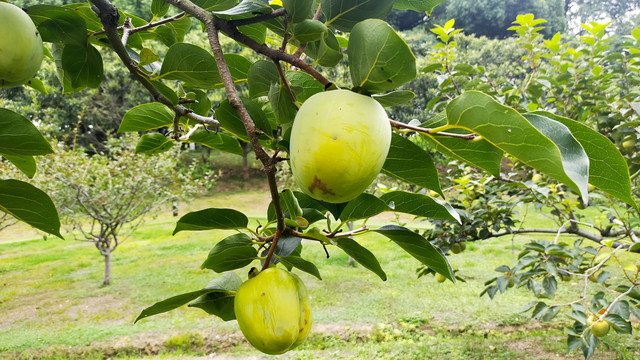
(272, 311)
(21, 51)
(339, 142)
(440, 278)
(456, 248)
(536, 178)
(599, 328)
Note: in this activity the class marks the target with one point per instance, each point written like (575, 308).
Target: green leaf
(218, 303)
(344, 14)
(233, 252)
(379, 60)
(301, 264)
(27, 203)
(18, 136)
(146, 117)
(37, 85)
(216, 5)
(608, 169)
(417, 5)
(574, 159)
(508, 130)
(362, 255)
(247, 7)
(261, 76)
(197, 68)
(159, 8)
(291, 205)
(420, 248)
(309, 31)
(618, 323)
(25, 163)
(172, 32)
(420, 205)
(286, 246)
(408, 162)
(257, 32)
(202, 106)
(212, 218)
(153, 143)
(394, 98)
(231, 122)
(362, 207)
(82, 64)
(225, 284)
(299, 10)
(282, 104)
(218, 141)
(478, 152)
(303, 85)
(59, 25)
(326, 51)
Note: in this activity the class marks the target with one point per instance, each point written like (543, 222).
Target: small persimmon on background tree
(547, 120)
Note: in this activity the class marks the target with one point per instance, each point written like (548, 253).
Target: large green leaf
(283, 107)
(218, 303)
(395, 98)
(326, 51)
(226, 284)
(25, 163)
(231, 253)
(218, 141)
(299, 10)
(362, 207)
(231, 122)
(18, 136)
(246, 8)
(212, 218)
(216, 5)
(344, 14)
(420, 205)
(420, 248)
(59, 25)
(197, 68)
(303, 85)
(408, 162)
(27, 203)
(172, 32)
(146, 117)
(478, 152)
(508, 130)
(362, 255)
(608, 169)
(153, 143)
(574, 159)
(262, 74)
(159, 8)
(309, 31)
(82, 64)
(301, 264)
(417, 5)
(257, 32)
(379, 60)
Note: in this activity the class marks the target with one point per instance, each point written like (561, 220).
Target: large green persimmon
(21, 50)
(272, 311)
(339, 142)
(598, 328)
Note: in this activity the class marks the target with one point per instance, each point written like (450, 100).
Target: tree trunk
(107, 267)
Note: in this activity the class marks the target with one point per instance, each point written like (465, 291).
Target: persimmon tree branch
(269, 162)
(403, 126)
(130, 30)
(109, 16)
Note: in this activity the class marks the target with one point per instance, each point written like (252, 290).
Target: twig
(400, 125)
(130, 30)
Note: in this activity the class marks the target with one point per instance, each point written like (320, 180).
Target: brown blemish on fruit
(317, 184)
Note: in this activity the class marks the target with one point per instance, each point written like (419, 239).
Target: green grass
(52, 305)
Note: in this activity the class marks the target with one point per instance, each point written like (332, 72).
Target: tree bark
(107, 267)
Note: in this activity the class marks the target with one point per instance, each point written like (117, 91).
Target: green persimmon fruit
(456, 248)
(272, 311)
(599, 328)
(440, 278)
(21, 50)
(339, 142)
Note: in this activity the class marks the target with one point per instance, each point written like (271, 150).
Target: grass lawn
(52, 305)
